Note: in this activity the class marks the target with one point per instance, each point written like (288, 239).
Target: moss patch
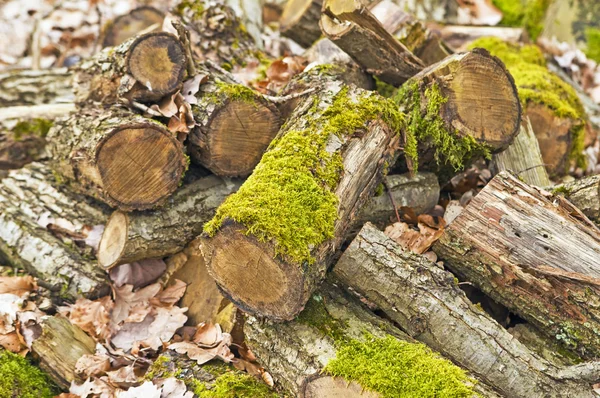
(425, 125)
(289, 199)
(315, 315)
(396, 368)
(18, 378)
(235, 385)
(592, 38)
(384, 89)
(37, 126)
(237, 92)
(524, 13)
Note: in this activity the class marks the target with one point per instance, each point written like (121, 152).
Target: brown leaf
(192, 86)
(146, 390)
(208, 335)
(124, 377)
(409, 239)
(198, 354)
(170, 296)
(174, 388)
(138, 303)
(138, 274)
(11, 342)
(92, 365)
(268, 379)
(92, 316)
(30, 327)
(17, 285)
(98, 388)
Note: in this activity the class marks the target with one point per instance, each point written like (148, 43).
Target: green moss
(237, 92)
(384, 89)
(561, 190)
(194, 7)
(37, 126)
(513, 12)
(592, 38)
(526, 13)
(315, 315)
(158, 368)
(510, 53)
(289, 199)
(396, 368)
(379, 190)
(20, 379)
(432, 129)
(235, 385)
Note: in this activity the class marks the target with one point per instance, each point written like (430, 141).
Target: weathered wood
(535, 255)
(59, 347)
(459, 36)
(34, 87)
(29, 201)
(427, 303)
(250, 14)
(121, 158)
(295, 353)
(130, 237)
(352, 27)
(523, 157)
(300, 21)
(583, 193)
(125, 26)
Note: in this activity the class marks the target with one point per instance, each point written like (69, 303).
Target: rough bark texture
(523, 157)
(130, 237)
(426, 302)
(459, 37)
(535, 255)
(29, 202)
(234, 126)
(300, 21)
(59, 347)
(34, 87)
(353, 28)
(583, 193)
(244, 257)
(445, 11)
(121, 158)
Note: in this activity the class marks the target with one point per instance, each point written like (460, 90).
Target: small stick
(389, 191)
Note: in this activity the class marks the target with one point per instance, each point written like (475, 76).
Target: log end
(128, 25)
(114, 238)
(321, 386)
(256, 281)
(157, 61)
(139, 165)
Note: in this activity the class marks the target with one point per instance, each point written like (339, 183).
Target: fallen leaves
(430, 229)
(17, 285)
(208, 342)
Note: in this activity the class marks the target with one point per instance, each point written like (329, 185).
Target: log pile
(269, 204)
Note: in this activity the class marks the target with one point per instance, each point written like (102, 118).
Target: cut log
(234, 127)
(30, 203)
(34, 87)
(314, 178)
(144, 69)
(352, 27)
(439, 100)
(427, 303)
(123, 159)
(300, 21)
(126, 26)
(130, 237)
(301, 355)
(584, 194)
(445, 11)
(533, 254)
(250, 14)
(459, 36)
(59, 347)
(523, 157)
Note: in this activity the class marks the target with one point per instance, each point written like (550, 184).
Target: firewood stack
(153, 149)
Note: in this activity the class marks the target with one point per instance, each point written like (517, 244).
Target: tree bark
(533, 254)
(35, 87)
(583, 193)
(29, 203)
(58, 334)
(425, 302)
(121, 158)
(254, 262)
(458, 37)
(234, 126)
(523, 157)
(130, 237)
(300, 21)
(353, 28)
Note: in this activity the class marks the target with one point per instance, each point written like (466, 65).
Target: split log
(145, 68)
(129, 25)
(584, 194)
(129, 237)
(234, 126)
(535, 255)
(352, 27)
(123, 159)
(299, 354)
(35, 87)
(523, 157)
(300, 21)
(59, 347)
(314, 178)
(427, 303)
(29, 204)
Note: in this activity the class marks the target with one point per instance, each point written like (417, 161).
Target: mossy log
(121, 158)
(427, 303)
(453, 113)
(35, 87)
(135, 236)
(29, 200)
(426, 44)
(126, 26)
(584, 194)
(523, 157)
(533, 254)
(300, 21)
(458, 37)
(234, 126)
(353, 28)
(144, 68)
(270, 243)
(59, 348)
(335, 341)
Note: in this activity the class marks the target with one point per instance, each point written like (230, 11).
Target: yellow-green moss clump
(289, 199)
(526, 13)
(18, 378)
(236, 385)
(37, 126)
(536, 84)
(592, 38)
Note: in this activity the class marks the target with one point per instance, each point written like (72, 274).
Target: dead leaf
(137, 303)
(97, 388)
(174, 388)
(11, 342)
(478, 12)
(18, 285)
(268, 379)
(30, 327)
(416, 241)
(93, 235)
(192, 86)
(92, 365)
(208, 335)
(138, 274)
(146, 390)
(124, 377)
(170, 296)
(198, 354)
(92, 316)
